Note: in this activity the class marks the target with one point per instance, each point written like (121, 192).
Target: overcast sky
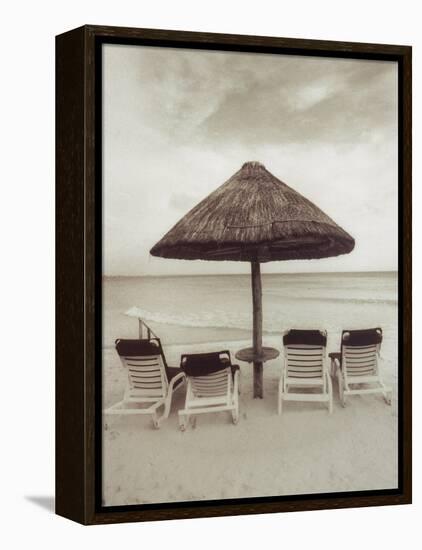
(178, 123)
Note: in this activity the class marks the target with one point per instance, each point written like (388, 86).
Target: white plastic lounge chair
(305, 368)
(213, 385)
(149, 380)
(357, 364)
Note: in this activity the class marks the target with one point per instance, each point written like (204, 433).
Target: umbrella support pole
(257, 329)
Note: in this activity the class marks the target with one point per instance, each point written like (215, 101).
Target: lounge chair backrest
(304, 352)
(202, 364)
(145, 367)
(359, 351)
(213, 385)
(209, 374)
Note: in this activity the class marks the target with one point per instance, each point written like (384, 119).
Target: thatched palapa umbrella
(254, 217)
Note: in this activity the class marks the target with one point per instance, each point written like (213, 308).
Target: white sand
(305, 450)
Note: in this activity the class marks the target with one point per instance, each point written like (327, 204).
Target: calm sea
(199, 309)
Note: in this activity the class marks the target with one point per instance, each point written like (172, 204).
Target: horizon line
(248, 274)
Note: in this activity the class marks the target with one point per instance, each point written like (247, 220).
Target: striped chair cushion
(306, 337)
(212, 385)
(366, 337)
(304, 361)
(202, 364)
(133, 351)
(360, 360)
(359, 351)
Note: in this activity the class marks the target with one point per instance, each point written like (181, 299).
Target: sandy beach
(303, 451)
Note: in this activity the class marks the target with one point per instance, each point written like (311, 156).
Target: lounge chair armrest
(236, 381)
(226, 352)
(335, 359)
(335, 362)
(175, 379)
(235, 369)
(280, 382)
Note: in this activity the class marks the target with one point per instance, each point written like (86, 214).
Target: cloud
(178, 123)
(340, 103)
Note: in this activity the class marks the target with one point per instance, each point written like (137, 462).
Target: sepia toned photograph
(250, 256)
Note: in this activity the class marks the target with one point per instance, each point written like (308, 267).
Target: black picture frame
(79, 260)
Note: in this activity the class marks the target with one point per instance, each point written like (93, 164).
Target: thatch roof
(254, 217)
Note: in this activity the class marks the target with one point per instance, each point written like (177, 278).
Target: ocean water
(201, 309)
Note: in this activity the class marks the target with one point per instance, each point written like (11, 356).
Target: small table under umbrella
(254, 217)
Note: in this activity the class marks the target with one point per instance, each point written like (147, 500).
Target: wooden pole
(257, 329)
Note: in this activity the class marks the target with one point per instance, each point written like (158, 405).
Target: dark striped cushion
(305, 337)
(131, 348)
(137, 348)
(366, 337)
(201, 364)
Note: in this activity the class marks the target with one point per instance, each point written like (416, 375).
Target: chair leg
(155, 421)
(183, 420)
(387, 393)
(280, 402)
(167, 405)
(341, 388)
(235, 398)
(280, 396)
(235, 411)
(330, 393)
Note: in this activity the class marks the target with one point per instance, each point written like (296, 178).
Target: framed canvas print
(233, 274)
